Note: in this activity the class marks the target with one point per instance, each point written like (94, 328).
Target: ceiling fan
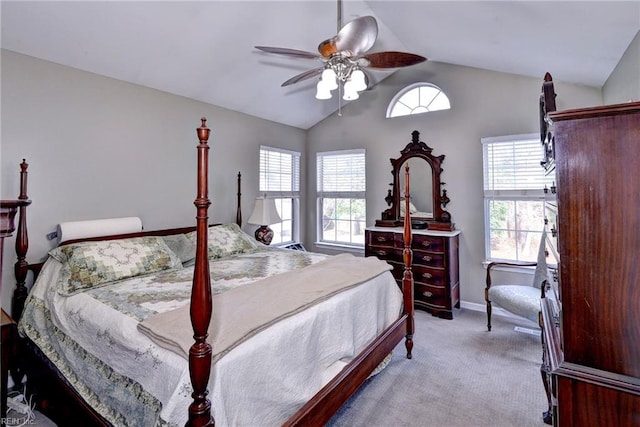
(345, 58)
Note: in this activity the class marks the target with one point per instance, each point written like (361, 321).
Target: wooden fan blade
(288, 52)
(357, 36)
(303, 76)
(390, 59)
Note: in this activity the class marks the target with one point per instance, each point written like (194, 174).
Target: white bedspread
(263, 381)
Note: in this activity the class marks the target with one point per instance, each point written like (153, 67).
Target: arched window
(418, 98)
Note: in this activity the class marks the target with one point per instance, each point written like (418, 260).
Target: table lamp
(264, 213)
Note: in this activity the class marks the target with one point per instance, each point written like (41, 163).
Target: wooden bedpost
(201, 300)
(239, 210)
(21, 266)
(407, 278)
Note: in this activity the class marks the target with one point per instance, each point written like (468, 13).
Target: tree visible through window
(514, 184)
(418, 98)
(341, 197)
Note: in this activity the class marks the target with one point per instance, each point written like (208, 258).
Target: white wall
(484, 104)
(99, 147)
(623, 84)
(93, 143)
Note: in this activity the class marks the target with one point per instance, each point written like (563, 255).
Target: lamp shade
(265, 212)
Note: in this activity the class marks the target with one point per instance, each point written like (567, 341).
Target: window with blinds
(280, 180)
(341, 187)
(515, 197)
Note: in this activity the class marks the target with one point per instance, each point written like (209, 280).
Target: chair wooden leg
(489, 315)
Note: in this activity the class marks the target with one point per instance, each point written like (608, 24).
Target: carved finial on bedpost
(203, 131)
(23, 180)
(201, 300)
(407, 255)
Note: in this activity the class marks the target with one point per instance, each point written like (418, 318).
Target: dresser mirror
(428, 199)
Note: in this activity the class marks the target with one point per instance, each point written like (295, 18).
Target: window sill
(338, 247)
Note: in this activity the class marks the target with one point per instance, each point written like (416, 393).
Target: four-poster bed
(213, 389)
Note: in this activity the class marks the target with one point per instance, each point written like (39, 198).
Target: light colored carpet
(460, 375)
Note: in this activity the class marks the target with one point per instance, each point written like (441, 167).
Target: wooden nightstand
(9, 332)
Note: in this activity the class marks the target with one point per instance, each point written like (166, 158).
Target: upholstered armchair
(521, 300)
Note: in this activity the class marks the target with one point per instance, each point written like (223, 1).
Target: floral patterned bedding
(92, 338)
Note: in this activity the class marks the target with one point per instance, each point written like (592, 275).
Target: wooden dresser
(591, 313)
(435, 265)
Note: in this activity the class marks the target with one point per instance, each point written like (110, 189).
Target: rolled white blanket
(98, 227)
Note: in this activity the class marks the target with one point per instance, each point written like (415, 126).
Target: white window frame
(359, 194)
(420, 104)
(275, 190)
(528, 184)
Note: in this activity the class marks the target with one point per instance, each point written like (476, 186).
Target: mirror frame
(441, 218)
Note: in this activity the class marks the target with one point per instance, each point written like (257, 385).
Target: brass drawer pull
(427, 275)
(381, 252)
(381, 239)
(427, 294)
(426, 258)
(426, 243)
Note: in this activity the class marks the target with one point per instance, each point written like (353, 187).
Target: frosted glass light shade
(322, 92)
(329, 79)
(350, 93)
(357, 77)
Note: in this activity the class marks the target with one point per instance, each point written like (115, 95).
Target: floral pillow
(90, 264)
(227, 239)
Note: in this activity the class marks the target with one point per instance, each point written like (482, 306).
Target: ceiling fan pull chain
(340, 83)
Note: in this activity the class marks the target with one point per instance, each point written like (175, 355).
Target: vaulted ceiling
(205, 49)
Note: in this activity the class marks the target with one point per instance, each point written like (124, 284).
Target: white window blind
(342, 174)
(342, 209)
(512, 166)
(280, 181)
(514, 183)
(279, 172)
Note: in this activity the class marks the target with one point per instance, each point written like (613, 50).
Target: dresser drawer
(428, 259)
(428, 276)
(427, 243)
(384, 253)
(432, 295)
(381, 239)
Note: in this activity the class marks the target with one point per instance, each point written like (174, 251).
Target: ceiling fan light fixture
(350, 92)
(345, 58)
(329, 79)
(357, 78)
(322, 91)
